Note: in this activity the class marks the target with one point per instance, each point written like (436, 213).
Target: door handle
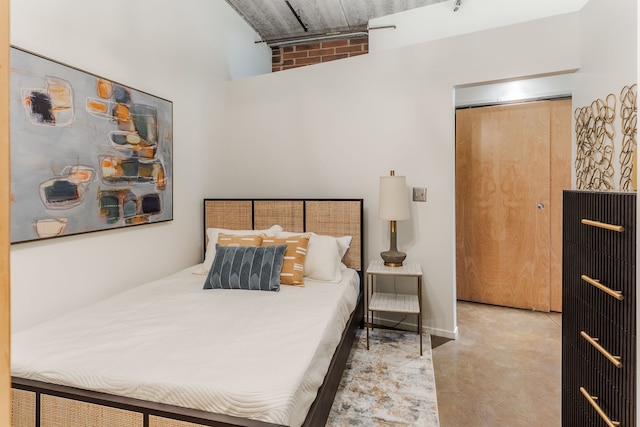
(540, 205)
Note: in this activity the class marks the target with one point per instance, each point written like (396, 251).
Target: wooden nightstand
(392, 302)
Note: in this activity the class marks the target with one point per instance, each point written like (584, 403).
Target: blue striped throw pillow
(246, 267)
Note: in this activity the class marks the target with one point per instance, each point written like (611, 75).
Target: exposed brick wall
(287, 57)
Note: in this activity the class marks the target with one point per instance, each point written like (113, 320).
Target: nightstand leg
(420, 332)
(366, 321)
(420, 311)
(366, 308)
(367, 336)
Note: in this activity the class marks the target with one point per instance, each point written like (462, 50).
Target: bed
(125, 365)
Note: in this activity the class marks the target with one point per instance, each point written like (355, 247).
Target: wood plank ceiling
(278, 21)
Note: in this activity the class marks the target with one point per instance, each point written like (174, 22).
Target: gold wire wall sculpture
(594, 127)
(629, 119)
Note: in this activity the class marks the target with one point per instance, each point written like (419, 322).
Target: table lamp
(393, 206)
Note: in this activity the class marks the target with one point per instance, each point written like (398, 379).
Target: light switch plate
(419, 194)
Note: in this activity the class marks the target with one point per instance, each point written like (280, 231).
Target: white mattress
(252, 354)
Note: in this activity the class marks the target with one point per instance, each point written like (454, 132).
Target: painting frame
(87, 153)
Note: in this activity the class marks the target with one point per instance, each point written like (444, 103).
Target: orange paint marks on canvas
(105, 88)
(160, 179)
(97, 106)
(122, 113)
(82, 175)
(144, 152)
(60, 95)
(138, 219)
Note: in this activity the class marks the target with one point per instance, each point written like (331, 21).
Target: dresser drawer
(598, 348)
(591, 282)
(606, 209)
(614, 403)
(610, 350)
(577, 411)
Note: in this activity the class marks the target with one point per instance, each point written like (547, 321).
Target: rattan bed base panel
(164, 422)
(23, 408)
(60, 412)
(40, 404)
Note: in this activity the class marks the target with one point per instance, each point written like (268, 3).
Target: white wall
(608, 59)
(332, 129)
(438, 20)
(182, 51)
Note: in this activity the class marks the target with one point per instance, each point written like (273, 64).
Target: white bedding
(252, 354)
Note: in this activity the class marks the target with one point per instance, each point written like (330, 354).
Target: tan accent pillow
(292, 272)
(239, 239)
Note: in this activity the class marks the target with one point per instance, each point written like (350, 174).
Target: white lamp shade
(393, 201)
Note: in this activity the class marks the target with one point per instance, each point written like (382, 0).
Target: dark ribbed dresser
(599, 309)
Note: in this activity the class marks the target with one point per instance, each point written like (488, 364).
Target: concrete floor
(504, 369)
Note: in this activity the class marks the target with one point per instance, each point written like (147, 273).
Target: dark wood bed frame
(36, 403)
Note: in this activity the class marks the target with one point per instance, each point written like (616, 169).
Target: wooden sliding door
(560, 168)
(5, 326)
(504, 202)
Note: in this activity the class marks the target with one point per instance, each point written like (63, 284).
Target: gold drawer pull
(592, 401)
(594, 342)
(616, 294)
(599, 224)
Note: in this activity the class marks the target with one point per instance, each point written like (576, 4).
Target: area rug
(388, 385)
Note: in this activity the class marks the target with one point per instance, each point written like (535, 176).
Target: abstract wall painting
(87, 153)
(595, 132)
(629, 122)
(598, 127)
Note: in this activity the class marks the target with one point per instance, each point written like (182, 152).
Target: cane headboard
(333, 217)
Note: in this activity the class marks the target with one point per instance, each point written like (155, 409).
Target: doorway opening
(513, 159)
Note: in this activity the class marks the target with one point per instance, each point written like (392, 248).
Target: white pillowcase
(344, 243)
(212, 234)
(324, 256)
(323, 259)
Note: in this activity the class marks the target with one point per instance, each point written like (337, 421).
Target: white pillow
(344, 243)
(324, 256)
(212, 234)
(323, 259)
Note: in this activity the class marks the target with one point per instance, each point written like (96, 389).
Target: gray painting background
(40, 152)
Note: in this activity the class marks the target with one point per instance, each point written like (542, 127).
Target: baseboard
(452, 335)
